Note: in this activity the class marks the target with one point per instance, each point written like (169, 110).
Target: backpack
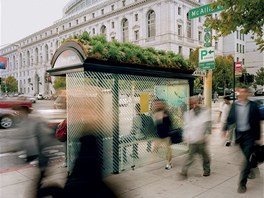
(148, 128)
(61, 131)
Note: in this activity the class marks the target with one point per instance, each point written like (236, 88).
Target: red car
(9, 103)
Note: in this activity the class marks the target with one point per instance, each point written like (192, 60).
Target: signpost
(238, 69)
(207, 58)
(203, 10)
(207, 37)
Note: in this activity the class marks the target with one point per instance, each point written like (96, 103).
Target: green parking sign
(207, 58)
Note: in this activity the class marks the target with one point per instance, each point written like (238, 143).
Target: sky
(20, 18)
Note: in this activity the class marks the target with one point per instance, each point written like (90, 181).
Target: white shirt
(225, 109)
(195, 126)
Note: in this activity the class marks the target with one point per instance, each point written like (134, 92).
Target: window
(179, 10)
(136, 35)
(200, 19)
(113, 7)
(103, 30)
(112, 38)
(63, 27)
(237, 49)
(189, 28)
(125, 30)
(136, 17)
(241, 35)
(50, 33)
(113, 24)
(243, 38)
(200, 36)
(46, 53)
(93, 15)
(237, 34)
(151, 24)
(124, 3)
(102, 11)
(93, 31)
(191, 50)
(180, 49)
(243, 61)
(77, 22)
(179, 30)
(243, 49)
(84, 18)
(57, 30)
(69, 25)
(240, 48)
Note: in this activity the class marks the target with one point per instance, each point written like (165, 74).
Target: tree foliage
(60, 83)
(99, 48)
(9, 85)
(247, 15)
(222, 74)
(260, 76)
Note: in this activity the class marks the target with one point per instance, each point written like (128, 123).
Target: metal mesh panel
(107, 104)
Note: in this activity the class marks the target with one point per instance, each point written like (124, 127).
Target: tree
(60, 83)
(9, 84)
(247, 15)
(260, 76)
(222, 74)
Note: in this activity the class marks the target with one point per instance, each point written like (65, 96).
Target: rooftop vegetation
(99, 48)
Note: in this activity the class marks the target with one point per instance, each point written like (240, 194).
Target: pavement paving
(153, 180)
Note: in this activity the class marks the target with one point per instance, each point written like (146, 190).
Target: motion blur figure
(197, 123)
(245, 115)
(35, 136)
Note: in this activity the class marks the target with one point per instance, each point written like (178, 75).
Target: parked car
(260, 102)
(33, 99)
(8, 118)
(40, 96)
(259, 92)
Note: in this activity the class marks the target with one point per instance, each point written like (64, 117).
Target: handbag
(61, 131)
(176, 136)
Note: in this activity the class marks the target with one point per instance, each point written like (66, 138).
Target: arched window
(125, 30)
(151, 17)
(46, 58)
(103, 30)
(28, 59)
(14, 62)
(57, 44)
(36, 56)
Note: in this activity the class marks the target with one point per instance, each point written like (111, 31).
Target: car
(260, 102)
(11, 103)
(259, 92)
(40, 96)
(60, 102)
(33, 99)
(8, 118)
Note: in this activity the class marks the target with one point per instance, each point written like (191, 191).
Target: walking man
(196, 125)
(245, 114)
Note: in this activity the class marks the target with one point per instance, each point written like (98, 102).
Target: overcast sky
(20, 18)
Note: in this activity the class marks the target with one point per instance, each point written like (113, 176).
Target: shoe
(182, 176)
(242, 188)
(228, 144)
(206, 174)
(23, 156)
(168, 166)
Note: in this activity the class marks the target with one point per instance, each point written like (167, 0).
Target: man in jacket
(245, 115)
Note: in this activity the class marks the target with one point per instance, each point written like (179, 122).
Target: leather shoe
(206, 174)
(242, 188)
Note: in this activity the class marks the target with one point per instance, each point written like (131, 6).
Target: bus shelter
(102, 95)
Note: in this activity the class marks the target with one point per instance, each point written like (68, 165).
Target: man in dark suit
(245, 115)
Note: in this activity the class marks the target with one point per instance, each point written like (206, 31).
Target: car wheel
(6, 122)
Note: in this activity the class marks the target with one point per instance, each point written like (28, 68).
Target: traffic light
(0, 80)
(246, 78)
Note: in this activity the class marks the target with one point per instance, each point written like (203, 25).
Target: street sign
(207, 39)
(203, 10)
(207, 58)
(199, 73)
(238, 68)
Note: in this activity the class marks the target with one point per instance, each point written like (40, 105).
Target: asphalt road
(10, 144)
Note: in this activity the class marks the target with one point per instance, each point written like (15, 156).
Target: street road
(10, 143)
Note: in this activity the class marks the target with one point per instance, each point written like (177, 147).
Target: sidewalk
(153, 181)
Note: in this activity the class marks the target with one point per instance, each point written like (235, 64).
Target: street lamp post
(18, 68)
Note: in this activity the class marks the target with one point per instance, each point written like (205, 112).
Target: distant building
(162, 24)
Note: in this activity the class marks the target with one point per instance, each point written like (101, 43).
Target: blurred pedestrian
(224, 111)
(35, 136)
(197, 123)
(162, 122)
(245, 115)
